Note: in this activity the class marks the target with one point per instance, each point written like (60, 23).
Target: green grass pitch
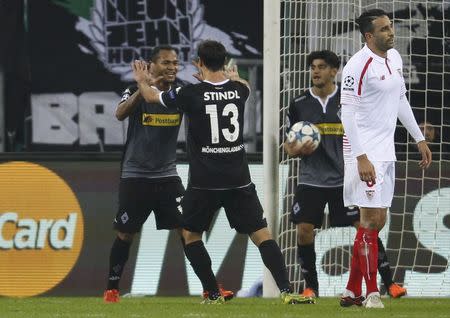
(190, 307)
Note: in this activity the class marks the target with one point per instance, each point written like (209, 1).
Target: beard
(384, 45)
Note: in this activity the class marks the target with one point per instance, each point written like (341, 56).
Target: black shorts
(138, 197)
(242, 207)
(309, 204)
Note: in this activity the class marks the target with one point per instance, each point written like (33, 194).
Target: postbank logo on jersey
(331, 129)
(123, 31)
(41, 229)
(161, 119)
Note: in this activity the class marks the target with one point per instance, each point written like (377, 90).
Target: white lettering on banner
(433, 235)
(32, 234)
(97, 111)
(53, 119)
(179, 23)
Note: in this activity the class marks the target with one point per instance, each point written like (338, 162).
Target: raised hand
(232, 73)
(199, 74)
(141, 72)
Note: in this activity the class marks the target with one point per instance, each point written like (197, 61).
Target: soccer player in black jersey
(321, 171)
(149, 180)
(218, 170)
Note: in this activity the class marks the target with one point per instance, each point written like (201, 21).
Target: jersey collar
(154, 87)
(324, 104)
(374, 56)
(217, 83)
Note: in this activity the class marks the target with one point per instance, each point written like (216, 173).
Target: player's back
(215, 145)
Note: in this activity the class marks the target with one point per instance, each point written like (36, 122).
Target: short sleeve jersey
(150, 148)
(374, 86)
(215, 145)
(325, 166)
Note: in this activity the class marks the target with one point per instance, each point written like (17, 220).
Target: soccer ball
(304, 131)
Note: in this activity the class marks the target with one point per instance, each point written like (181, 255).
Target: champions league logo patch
(123, 31)
(349, 82)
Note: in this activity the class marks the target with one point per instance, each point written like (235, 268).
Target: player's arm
(127, 104)
(406, 117)
(350, 101)
(145, 81)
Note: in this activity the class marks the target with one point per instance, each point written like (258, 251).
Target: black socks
(117, 259)
(200, 261)
(307, 260)
(273, 259)
(383, 265)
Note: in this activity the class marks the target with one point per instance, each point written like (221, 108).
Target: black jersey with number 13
(215, 145)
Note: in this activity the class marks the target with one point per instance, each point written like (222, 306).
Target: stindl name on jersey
(212, 96)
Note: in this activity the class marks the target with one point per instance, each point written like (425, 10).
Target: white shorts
(360, 193)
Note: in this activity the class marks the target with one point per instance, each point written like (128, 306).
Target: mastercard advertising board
(41, 229)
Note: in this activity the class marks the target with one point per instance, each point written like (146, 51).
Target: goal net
(417, 234)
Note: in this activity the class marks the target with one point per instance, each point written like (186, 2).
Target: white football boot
(373, 300)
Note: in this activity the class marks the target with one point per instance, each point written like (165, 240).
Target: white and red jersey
(373, 86)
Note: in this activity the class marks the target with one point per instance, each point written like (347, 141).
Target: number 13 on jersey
(229, 109)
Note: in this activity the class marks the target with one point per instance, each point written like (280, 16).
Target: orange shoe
(111, 296)
(227, 294)
(309, 292)
(397, 291)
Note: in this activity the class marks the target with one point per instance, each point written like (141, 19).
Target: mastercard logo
(41, 229)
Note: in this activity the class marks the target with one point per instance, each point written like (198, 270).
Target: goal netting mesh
(417, 234)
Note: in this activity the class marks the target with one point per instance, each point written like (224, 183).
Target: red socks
(364, 262)
(355, 279)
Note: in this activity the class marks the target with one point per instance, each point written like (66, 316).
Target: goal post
(271, 115)
(419, 220)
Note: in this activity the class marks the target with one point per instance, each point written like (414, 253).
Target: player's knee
(190, 237)
(305, 238)
(127, 237)
(260, 236)
(305, 234)
(370, 220)
(381, 220)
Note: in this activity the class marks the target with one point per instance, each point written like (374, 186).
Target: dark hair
(364, 21)
(154, 55)
(213, 54)
(328, 56)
